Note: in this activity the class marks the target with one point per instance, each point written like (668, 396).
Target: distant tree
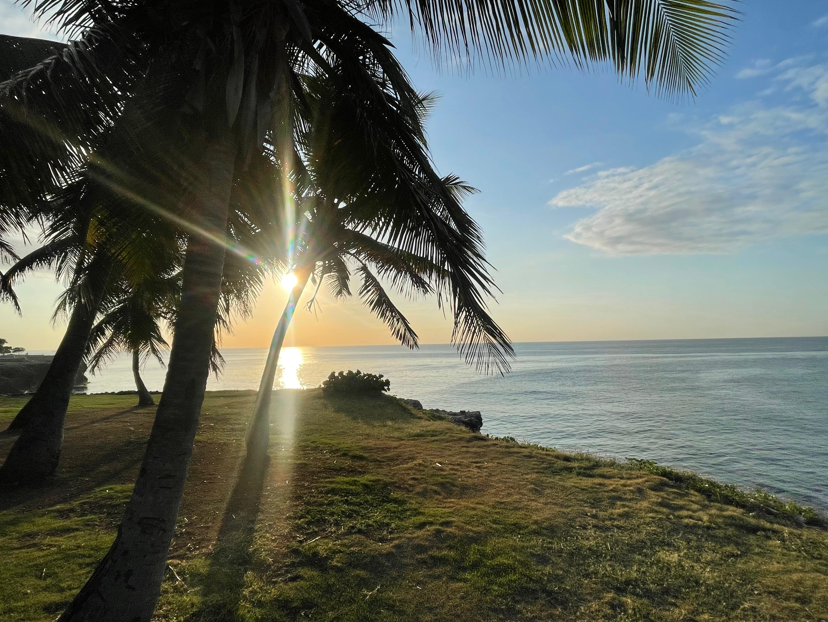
(131, 323)
(4, 349)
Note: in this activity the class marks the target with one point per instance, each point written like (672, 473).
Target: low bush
(355, 382)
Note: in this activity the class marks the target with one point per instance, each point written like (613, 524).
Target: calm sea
(748, 411)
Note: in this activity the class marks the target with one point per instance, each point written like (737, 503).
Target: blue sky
(610, 213)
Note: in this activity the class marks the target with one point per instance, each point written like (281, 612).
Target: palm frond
(674, 43)
(374, 296)
(7, 251)
(47, 255)
(338, 277)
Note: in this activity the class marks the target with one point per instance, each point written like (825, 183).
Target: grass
(368, 510)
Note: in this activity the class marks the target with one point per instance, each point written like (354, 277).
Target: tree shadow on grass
(232, 557)
(112, 466)
(5, 432)
(370, 409)
(76, 426)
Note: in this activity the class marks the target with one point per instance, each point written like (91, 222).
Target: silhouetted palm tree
(382, 213)
(227, 74)
(153, 268)
(131, 322)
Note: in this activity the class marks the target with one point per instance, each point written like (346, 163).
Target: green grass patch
(752, 501)
(48, 553)
(348, 505)
(368, 512)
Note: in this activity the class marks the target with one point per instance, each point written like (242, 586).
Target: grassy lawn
(368, 510)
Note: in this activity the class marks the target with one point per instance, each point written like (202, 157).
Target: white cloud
(812, 80)
(763, 66)
(17, 21)
(583, 169)
(822, 21)
(759, 68)
(757, 173)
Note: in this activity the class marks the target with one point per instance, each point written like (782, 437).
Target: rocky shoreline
(21, 374)
(471, 419)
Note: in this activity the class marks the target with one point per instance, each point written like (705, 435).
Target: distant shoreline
(36, 352)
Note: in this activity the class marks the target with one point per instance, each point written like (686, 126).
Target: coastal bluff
(369, 510)
(20, 374)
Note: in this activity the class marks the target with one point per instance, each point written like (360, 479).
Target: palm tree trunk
(127, 582)
(56, 386)
(258, 434)
(36, 453)
(144, 397)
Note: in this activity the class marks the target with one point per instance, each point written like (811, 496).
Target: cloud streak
(757, 173)
(759, 68)
(583, 169)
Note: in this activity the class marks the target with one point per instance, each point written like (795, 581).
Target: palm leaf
(374, 296)
(675, 43)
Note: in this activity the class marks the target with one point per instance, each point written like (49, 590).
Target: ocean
(752, 412)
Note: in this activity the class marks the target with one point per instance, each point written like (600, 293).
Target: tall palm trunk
(258, 433)
(127, 582)
(144, 397)
(36, 453)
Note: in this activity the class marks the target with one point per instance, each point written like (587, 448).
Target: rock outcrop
(471, 419)
(23, 374)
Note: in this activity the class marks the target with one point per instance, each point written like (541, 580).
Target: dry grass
(371, 511)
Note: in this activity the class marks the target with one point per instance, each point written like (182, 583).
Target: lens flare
(289, 281)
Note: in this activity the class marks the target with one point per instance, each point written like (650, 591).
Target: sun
(289, 281)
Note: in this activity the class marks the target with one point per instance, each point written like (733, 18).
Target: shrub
(355, 382)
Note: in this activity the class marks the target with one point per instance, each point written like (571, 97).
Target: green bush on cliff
(355, 382)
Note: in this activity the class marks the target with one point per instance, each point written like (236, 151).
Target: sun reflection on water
(290, 360)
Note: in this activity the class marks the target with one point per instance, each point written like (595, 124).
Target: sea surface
(753, 412)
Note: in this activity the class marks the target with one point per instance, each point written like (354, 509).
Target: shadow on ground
(233, 556)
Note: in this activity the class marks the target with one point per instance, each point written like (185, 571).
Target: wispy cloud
(764, 66)
(757, 173)
(758, 68)
(583, 169)
(822, 21)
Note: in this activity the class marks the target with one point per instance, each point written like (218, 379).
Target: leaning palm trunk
(127, 582)
(258, 434)
(56, 387)
(144, 397)
(36, 453)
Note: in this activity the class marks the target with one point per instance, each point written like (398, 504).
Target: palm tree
(86, 237)
(152, 265)
(66, 249)
(131, 322)
(36, 452)
(399, 222)
(229, 75)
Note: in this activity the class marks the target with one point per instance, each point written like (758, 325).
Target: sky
(608, 212)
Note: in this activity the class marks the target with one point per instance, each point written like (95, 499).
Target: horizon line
(390, 345)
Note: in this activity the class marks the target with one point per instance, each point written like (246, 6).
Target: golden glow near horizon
(289, 281)
(290, 360)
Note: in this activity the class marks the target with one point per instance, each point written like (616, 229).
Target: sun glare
(289, 281)
(290, 360)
